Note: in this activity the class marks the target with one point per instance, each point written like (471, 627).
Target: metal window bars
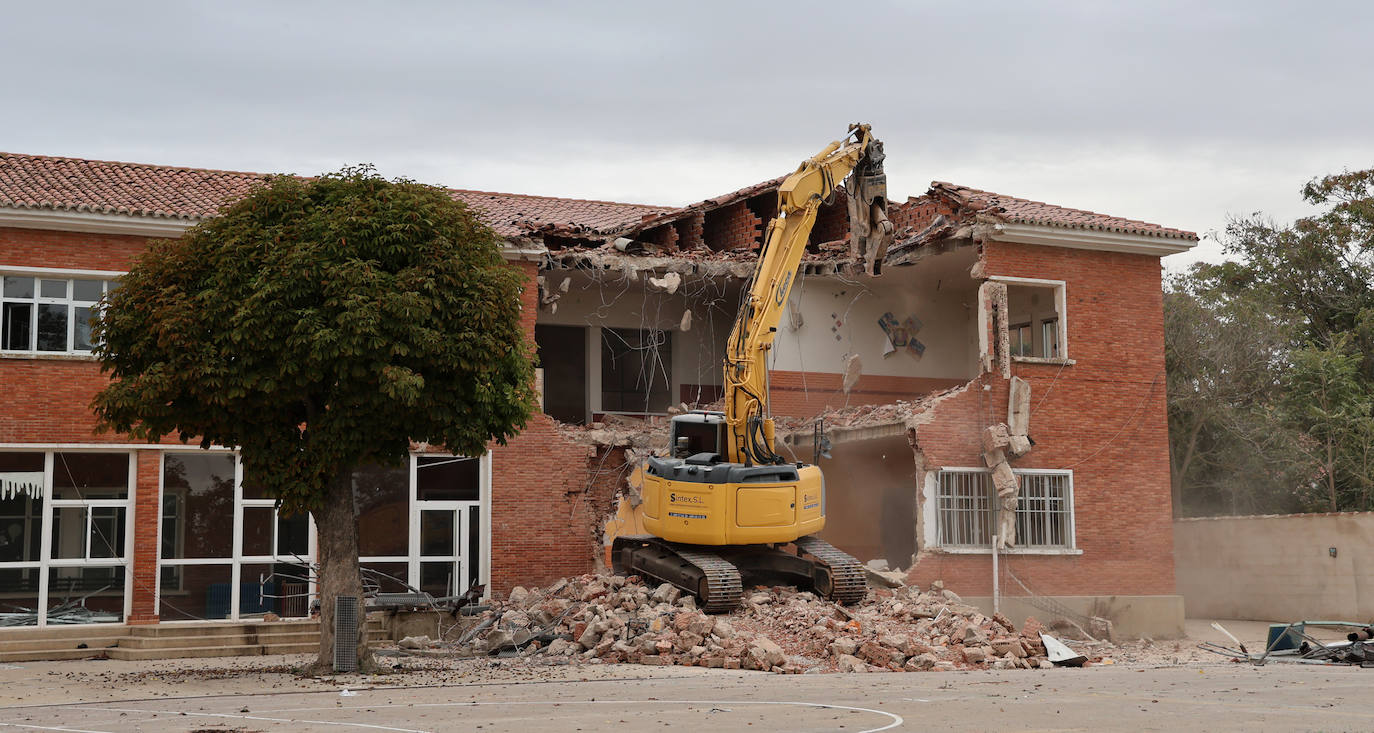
(966, 509)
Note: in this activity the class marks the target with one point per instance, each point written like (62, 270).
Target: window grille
(966, 509)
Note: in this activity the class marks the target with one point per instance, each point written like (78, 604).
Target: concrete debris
(604, 619)
(669, 283)
(853, 369)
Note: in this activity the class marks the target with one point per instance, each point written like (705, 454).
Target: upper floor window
(49, 314)
(1035, 312)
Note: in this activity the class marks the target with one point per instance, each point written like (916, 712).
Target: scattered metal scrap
(1291, 643)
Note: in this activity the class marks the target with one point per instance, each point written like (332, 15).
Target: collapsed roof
(729, 227)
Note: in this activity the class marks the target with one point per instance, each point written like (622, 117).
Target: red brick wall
(48, 398)
(541, 519)
(732, 227)
(1103, 417)
(147, 504)
(68, 250)
(806, 394)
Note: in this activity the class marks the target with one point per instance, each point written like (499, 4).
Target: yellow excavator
(726, 509)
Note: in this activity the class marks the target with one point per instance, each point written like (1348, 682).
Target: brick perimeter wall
(1104, 417)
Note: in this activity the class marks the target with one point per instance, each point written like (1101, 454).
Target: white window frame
(46, 563)
(1061, 299)
(237, 559)
(107, 278)
(932, 518)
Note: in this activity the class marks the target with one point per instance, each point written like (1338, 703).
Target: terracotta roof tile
(169, 192)
(1025, 211)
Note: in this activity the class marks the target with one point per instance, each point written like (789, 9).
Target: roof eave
(1054, 236)
(93, 222)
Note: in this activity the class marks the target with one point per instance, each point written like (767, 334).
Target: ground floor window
(65, 520)
(228, 552)
(966, 509)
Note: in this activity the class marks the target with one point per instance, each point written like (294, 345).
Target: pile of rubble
(603, 618)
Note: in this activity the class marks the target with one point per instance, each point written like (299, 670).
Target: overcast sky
(1175, 112)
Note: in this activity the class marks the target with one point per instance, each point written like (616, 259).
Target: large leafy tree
(1271, 359)
(320, 324)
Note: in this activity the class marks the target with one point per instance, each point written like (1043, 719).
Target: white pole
(996, 595)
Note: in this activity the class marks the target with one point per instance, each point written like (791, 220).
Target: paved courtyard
(262, 694)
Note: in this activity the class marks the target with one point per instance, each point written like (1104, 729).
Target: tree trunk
(1179, 469)
(1331, 474)
(337, 529)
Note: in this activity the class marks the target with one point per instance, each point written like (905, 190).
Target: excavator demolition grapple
(726, 509)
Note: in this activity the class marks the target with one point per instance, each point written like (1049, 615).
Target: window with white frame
(1049, 338)
(1035, 312)
(966, 509)
(1021, 343)
(65, 517)
(49, 314)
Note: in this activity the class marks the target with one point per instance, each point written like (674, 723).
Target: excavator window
(691, 438)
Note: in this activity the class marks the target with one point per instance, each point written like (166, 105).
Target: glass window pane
(257, 530)
(18, 287)
(81, 331)
(437, 533)
(201, 524)
(436, 578)
(21, 525)
(86, 595)
(69, 533)
(280, 588)
(87, 290)
(385, 577)
(194, 592)
(293, 535)
(16, 326)
(107, 532)
(382, 496)
(254, 490)
(21, 597)
(474, 544)
(52, 327)
(90, 475)
(52, 288)
(439, 478)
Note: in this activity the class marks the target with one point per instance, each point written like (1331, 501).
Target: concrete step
(37, 655)
(28, 645)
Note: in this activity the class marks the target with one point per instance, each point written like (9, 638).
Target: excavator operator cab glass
(699, 432)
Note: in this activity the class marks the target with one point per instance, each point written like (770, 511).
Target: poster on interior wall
(15, 483)
(901, 334)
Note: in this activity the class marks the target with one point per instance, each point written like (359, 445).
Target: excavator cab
(700, 435)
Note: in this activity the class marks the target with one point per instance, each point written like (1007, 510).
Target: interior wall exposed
(840, 315)
(870, 498)
(606, 299)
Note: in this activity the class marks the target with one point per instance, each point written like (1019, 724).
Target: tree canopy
(319, 324)
(1271, 361)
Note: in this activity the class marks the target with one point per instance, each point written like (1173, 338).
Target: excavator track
(713, 580)
(848, 583)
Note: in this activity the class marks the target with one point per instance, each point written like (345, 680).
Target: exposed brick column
(147, 516)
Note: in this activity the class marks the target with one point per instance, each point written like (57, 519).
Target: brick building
(1009, 346)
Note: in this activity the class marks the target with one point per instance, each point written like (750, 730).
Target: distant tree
(1271, 359)
(1230, 452)
(318, 325)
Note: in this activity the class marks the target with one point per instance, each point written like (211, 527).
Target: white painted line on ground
(237, 716)
(51, 727)
(896, 719)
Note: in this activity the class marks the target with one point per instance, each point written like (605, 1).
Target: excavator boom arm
(749, 428)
